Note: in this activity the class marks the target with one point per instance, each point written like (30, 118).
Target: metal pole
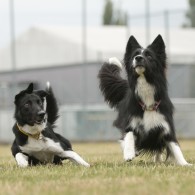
(84, 51)
(128, 25)
(84, 31)
(147, 7)
(12, 44)
(167, 31)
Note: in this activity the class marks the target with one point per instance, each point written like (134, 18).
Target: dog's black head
(151, 60)
(30, 106)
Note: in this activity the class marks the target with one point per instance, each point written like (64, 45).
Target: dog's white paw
(129, 155)
(87, 164)
(115, 61)
(186, 164)
(22, 160)
(189, 164)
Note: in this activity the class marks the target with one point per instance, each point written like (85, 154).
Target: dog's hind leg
(177, 154)
(64, 150)
(158, 157)
(74, 157)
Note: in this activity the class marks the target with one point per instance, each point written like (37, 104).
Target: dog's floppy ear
(28, 90)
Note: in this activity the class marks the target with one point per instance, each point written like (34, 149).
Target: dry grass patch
(109, 174)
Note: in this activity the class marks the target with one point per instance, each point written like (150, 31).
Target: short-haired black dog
(145, 112)
(35, 140)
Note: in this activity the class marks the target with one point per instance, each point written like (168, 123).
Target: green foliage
(108, 13)
(191, 14)
(113, 17)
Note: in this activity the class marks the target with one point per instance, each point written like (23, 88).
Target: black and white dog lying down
(145, 112)
(36, 112)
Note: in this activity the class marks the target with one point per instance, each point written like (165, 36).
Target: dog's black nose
(41, 114)
(139, 58)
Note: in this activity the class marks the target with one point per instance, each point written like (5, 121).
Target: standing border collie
(35, 140)
(145, 112)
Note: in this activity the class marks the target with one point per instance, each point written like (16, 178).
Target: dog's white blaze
(177, 154)
(115, 61)
(152, 119)
(145, 91)
(21, 159)
(134, 62)
(44, 104)
(34, 129)
(129, 146)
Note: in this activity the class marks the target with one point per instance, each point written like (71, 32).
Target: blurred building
(55, 54)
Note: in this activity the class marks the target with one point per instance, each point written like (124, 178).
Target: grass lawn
(109, 174)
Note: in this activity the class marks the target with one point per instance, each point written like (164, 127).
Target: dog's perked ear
(132, 45)
(158, 46)
(28, 90)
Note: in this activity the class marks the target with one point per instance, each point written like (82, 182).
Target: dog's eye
(26, 105)
(39, 102)
(149, 57)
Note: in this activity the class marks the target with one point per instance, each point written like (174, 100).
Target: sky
(30, 13)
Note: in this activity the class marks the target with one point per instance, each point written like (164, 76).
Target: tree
(113, 17)
(120, 18)
(108, 13)
(191, 14)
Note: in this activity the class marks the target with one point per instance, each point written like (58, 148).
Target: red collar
(152, 107)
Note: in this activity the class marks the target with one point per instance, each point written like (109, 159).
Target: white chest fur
(150, 120)
(43, 149)
(145, 91)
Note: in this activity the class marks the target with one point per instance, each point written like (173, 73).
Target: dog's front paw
(129, 155)
(186, 164)
(115, 61)
(87, 164)
(22, 160)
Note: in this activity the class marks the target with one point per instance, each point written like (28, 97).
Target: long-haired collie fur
(145, 112)
(36, 142)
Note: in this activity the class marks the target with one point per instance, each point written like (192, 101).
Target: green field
(109, 174)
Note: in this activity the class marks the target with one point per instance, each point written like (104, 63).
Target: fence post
(128, 26)
(147, 10)
(12, 46)
(167, 31)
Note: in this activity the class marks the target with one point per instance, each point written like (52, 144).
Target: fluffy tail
(52, 107)
(112, 85)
